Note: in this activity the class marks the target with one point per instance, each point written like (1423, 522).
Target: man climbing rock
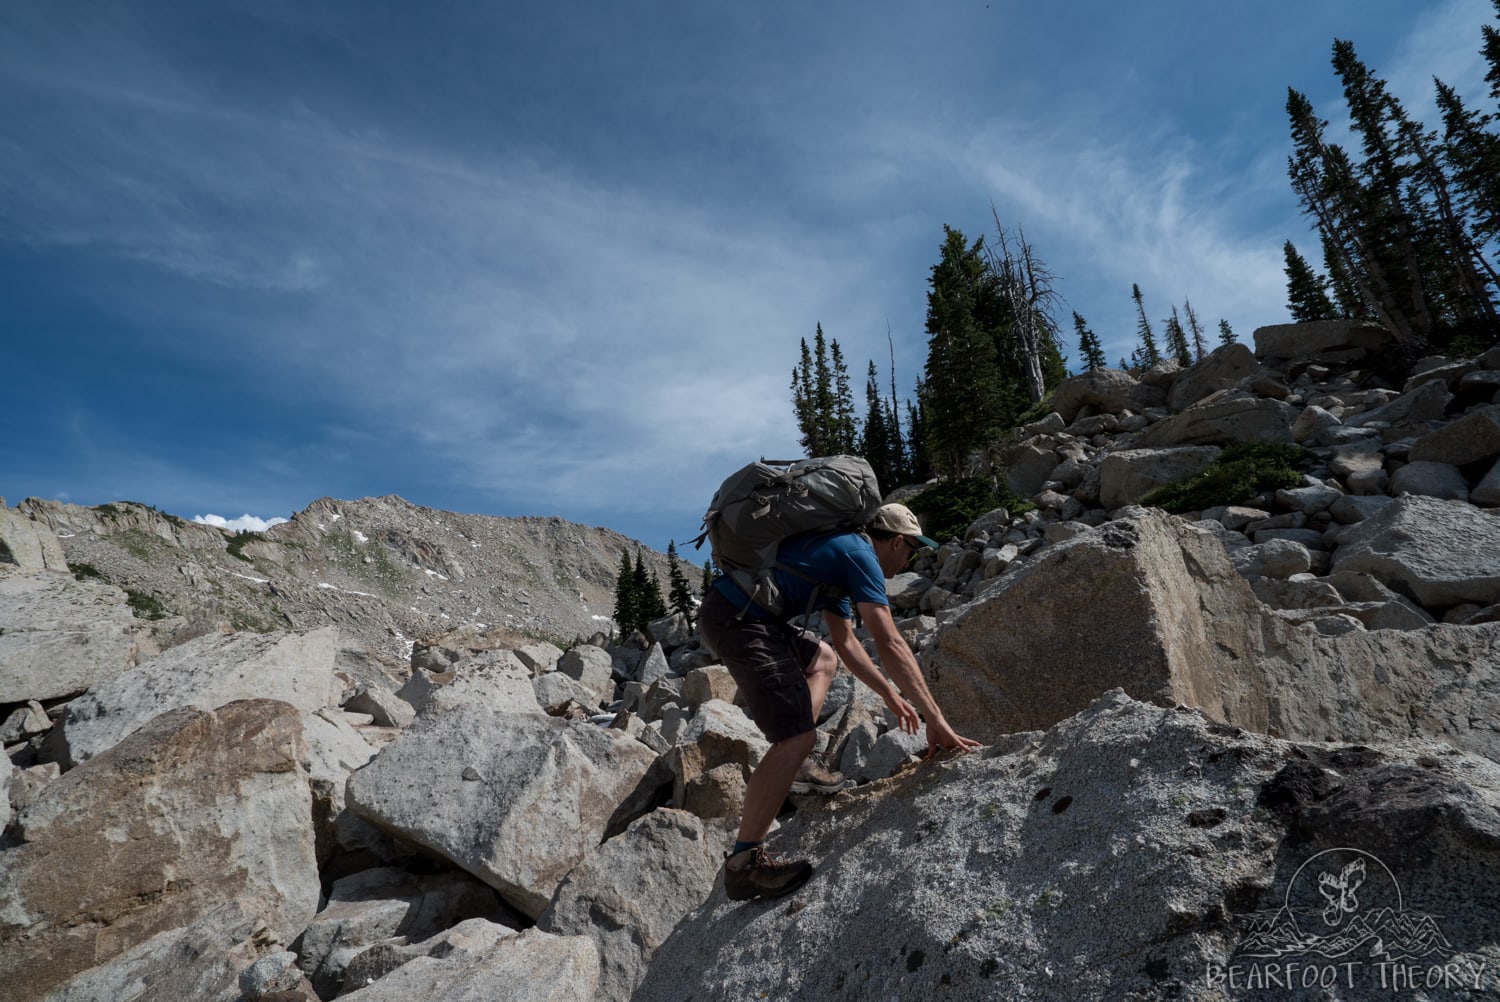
(784, 673)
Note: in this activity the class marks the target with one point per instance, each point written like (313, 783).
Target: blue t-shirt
(845, 560)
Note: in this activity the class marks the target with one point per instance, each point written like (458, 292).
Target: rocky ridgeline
(384, 571)
(1250, 752)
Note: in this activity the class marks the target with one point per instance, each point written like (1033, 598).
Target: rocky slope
(386, 572)
(1245, 752)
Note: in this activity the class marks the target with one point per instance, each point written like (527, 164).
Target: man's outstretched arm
(901, 663)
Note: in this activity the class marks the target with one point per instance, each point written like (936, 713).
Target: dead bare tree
(1026, 284)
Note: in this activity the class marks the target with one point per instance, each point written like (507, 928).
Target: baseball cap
(899, 519)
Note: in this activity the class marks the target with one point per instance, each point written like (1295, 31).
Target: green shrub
(1235, 476)
(951, 506)
(237, 544)
(83, 572)
(145, 606)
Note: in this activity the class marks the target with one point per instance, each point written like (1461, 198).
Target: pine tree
(1226, 336)
(1472, 153)
(1347, 299)
(1145, 355)
(1177, 340)
(875, 445)
(646, 592)
(822, 400)
(965, 397)
(681, 593)
(708, 578)
(625, 614)
(1089, 347)
(1195, 330)
(1307, 295)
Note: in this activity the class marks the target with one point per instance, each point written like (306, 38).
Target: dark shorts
(768, 660)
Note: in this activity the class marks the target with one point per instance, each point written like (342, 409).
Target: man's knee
(826, 663)
(798, 744)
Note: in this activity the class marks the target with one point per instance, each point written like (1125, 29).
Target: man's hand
(905, 714)
(940, 736)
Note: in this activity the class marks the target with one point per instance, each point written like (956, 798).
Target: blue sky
(555, 259)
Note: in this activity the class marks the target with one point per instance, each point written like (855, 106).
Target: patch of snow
(360, 537)
(344, 591)
(336, 516)
(431, 574)
(247, 577)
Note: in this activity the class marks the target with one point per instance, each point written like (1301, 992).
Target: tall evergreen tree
(1226, 334)
(1195, 329)
(626, 608)
(966, 399)
(1177, 342)
(649, 603)
(843, 429)
(1491, 53)
(876, 442)
(1146, 354)
(681, 593)
(708, 578)
(1472, 153)
(822, 400)
(1347, 298)
(1089, 348)
(1307, 295)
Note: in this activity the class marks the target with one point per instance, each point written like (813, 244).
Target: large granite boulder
(63, 636)
(195, 811)
(1223, 418)
(1440, 553)
(1031, 649)
(1127, 475)
(1222, 369)
(1471, 438)
(1323, 340)
(205, 673)
(629, 895)
(28, 545)
(1130, 852)
(1109, 391)
(517, 799)
(1154, 606)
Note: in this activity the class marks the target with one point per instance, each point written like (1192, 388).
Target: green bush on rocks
(1235, 476)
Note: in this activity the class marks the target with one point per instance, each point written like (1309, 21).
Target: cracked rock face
(195, 811)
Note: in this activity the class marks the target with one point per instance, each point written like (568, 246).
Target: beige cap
(899, 519)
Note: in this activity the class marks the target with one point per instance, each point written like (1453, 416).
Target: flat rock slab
(531, 967)
(1440, 553)
(517, 799)
(205, 673)
(194, 811)
(62, 635)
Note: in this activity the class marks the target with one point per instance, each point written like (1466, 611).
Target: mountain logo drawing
(1344, 903)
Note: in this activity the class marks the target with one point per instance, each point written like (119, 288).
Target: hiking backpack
(766, 502)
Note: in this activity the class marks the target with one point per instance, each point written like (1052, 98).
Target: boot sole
(754, 895)
(824, 790)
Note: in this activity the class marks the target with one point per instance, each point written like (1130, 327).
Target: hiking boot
(815, 777)
(755, 873)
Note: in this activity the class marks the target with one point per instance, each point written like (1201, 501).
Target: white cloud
(245, 523)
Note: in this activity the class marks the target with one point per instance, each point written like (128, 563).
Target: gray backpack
(766, 502)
